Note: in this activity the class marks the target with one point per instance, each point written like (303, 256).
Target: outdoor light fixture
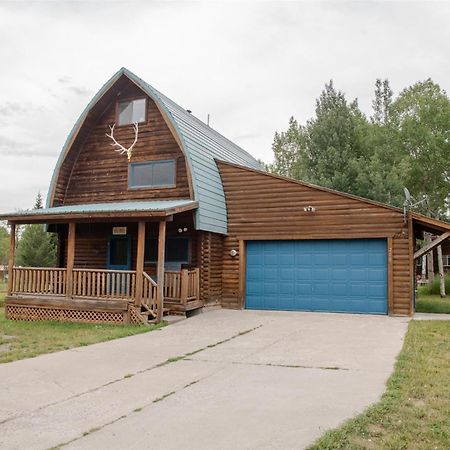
(309, 209)
(233, 252)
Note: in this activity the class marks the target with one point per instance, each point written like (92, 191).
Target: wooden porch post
(70, 258)
(12, 248)
(184, 286)
(160, 270)
(140, 263)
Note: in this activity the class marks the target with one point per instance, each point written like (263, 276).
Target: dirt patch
(7, 337)
(5, 348)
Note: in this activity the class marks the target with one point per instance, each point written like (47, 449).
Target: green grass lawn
(20, 340)
(433, 304)
(414, 413)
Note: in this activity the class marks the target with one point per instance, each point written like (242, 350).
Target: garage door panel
(320, 273)
(325, 275)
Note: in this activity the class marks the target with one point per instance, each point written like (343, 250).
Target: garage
(340, 275)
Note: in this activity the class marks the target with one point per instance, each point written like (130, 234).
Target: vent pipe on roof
(189, 111)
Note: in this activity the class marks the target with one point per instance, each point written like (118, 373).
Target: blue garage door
(326, 275)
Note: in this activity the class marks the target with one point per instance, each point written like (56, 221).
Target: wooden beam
(431, 245)
(390, 275)
(441, 272)
(184, 286)
(160, 270)
(70, 258)
(12, 248)
(140, 263)
(242, 274)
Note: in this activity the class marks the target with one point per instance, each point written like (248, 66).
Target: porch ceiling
(123, 210)
(428, 224)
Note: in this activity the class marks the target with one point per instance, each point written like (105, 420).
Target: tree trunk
(430, 260)
(424, 268)
(441, 272)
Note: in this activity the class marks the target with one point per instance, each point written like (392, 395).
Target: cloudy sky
(250, 65)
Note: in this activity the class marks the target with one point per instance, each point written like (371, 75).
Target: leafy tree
(335, 141)
(330, 149)
(382, 175)
(289, 148)
(406, 142)
(421, 116)
(382, 103)
(36, 247)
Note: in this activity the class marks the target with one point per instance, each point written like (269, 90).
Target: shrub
(433, 288)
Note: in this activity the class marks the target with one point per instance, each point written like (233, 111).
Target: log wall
(264, 206)
(91, 242)
(210, 257)
(93, 172)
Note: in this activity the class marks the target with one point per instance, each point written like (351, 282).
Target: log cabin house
(155, 211)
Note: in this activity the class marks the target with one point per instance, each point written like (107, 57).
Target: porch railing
(104, 284)
(32, 280)
(179, 287)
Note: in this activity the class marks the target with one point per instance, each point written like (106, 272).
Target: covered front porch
(118, 263)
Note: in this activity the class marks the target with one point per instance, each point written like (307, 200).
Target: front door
(119, 253)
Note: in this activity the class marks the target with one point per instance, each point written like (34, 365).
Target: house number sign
(119, 230)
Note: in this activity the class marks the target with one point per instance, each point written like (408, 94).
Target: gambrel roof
(200, 144)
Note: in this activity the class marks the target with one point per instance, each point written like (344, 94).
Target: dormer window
(131, 111)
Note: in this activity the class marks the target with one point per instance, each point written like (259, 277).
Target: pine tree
(39, 203)
(36, 247)
(4, 246)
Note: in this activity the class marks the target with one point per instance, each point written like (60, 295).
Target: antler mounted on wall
(121, 148)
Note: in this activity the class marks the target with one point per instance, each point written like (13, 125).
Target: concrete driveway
(220, 380)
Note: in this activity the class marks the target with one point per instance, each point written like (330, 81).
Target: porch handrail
(149, 290)
(103, 270)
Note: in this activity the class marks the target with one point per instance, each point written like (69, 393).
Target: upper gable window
(152, 174)
(131, 111)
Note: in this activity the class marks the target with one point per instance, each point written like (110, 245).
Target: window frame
(151, 186)
(131, 99)
(155, 238)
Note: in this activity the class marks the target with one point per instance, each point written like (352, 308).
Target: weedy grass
(20, 340)
(414, 412)
(433, 304)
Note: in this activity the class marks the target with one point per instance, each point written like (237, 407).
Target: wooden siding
(210, 257)
(91, 242)
(93, 172)
(262, 206)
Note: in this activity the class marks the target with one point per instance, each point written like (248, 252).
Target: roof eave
(429, 224)
(78, 216)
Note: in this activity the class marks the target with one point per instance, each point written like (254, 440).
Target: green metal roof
(201, 145)
(167, 206)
